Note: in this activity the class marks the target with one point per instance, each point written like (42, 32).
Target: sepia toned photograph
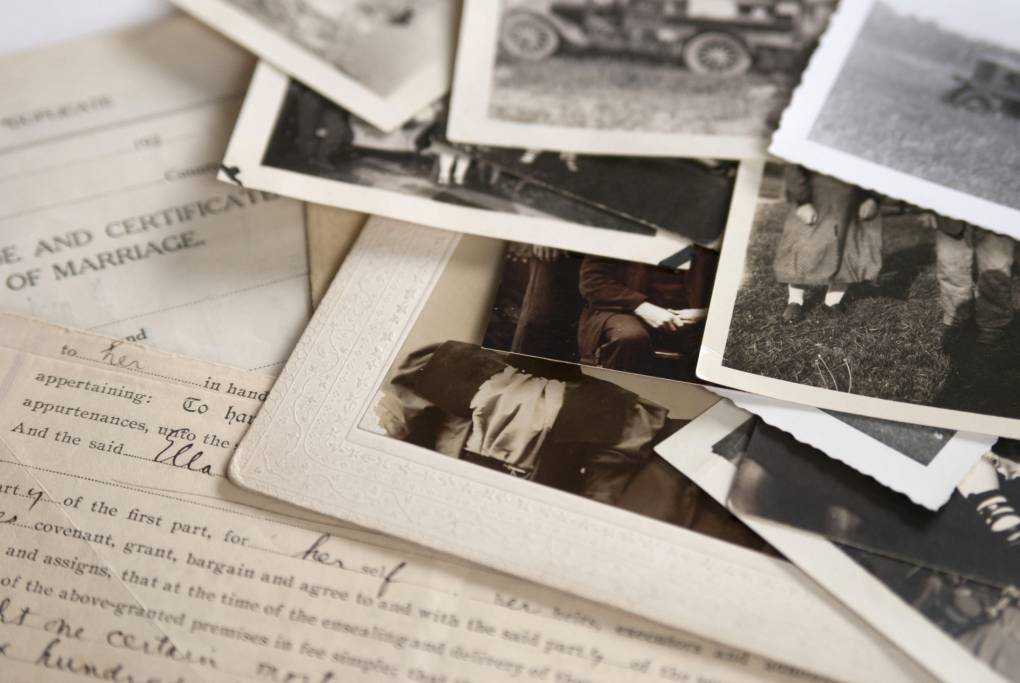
(382, 59)
(602, 312)
(848, 300)
(652, 77)
(570, 427)
(292, 140)
(969, 628)
(411, 428)
(920, 99)
(552, 424)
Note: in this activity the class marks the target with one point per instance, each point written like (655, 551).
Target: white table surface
(28, 24)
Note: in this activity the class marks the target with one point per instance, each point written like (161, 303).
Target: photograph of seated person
(603, 312)
(553, 424)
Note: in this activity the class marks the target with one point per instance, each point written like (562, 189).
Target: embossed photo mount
(310, 446)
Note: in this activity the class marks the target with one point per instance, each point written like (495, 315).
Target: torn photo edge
(430, 82)
(791, 140)
(471, 123)
(244, 163)
(691, 452)
(729, 279)
(315, 417)
(928, 485)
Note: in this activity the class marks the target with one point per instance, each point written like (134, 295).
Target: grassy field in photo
(886, 107)
(888, 345)
(619, 93)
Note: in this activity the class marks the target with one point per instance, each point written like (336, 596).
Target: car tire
(528, 36)
(973, 102)
(717, 53)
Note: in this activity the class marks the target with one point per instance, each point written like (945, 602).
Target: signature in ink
(109, 357)
(317, 553)
(182, 458)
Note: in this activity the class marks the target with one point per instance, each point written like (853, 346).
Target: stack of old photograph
(697, 312)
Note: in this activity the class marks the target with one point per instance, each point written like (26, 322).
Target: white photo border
(385, 113)
(928, 485)
(791, 142)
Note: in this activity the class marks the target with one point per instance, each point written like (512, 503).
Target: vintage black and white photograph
(382, 59)
(981, 617)
(850, 301)
(922, 99)
(922, 463)
(645, 77)
(959, 566)
(290, 139)
(603, 312)
(976, 535)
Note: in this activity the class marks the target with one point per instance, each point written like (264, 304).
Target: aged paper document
(111, 217)
(128, 556)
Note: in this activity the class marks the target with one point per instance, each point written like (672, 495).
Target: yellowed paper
(331, 234)
(111, 216)
(129, 556)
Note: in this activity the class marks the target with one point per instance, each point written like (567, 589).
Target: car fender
(569, 31)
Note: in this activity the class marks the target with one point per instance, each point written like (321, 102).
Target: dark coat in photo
(839, 246)
(550, 307)
(612, 289)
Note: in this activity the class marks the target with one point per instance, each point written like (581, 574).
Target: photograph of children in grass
(853, 292)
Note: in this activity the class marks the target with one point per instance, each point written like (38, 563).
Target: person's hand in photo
(868, 210)
(688, 316)
(656, 317)
(807, 213)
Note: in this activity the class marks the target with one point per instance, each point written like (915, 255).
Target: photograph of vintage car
(924, 97)
(694, 67)
(993, 88)
(721, 37)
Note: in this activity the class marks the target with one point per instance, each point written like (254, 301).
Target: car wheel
(972, 101)
(528, 36)
(716, 53)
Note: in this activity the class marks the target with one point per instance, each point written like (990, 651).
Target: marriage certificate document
(111, 217)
